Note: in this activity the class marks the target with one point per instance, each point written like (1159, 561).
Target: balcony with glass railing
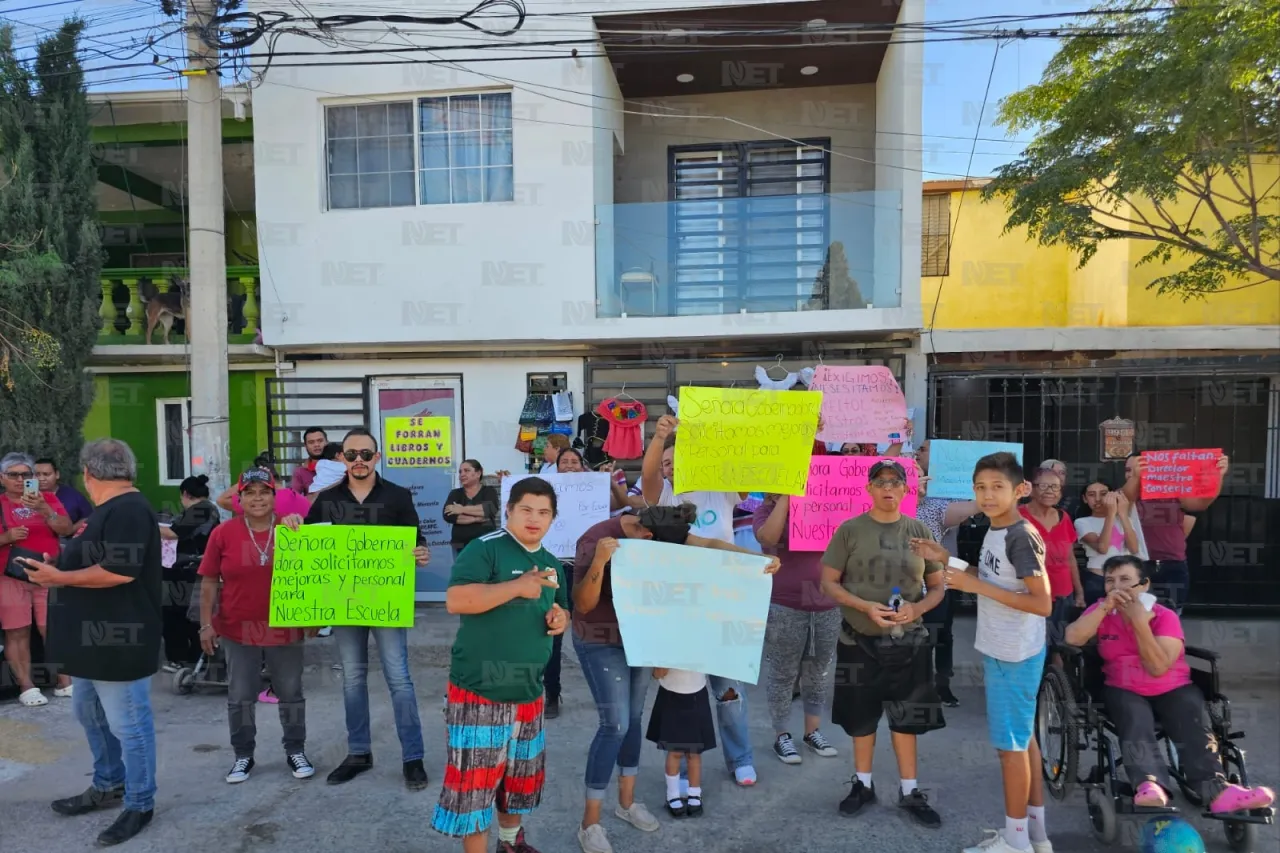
(774, 253)
(125, 295)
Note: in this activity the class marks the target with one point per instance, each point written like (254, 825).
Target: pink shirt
(288, 502)
(1122, 664)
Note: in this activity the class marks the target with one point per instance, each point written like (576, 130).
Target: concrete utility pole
(207, 319)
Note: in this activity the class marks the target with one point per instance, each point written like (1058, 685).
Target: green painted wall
(126, 409)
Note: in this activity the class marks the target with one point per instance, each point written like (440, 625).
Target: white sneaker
(638, 816)
(593, 839)
(993, 843)
(1045, 846)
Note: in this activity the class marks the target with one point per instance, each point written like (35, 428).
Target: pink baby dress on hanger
(626, 427)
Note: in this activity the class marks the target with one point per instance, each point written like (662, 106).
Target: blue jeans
(116, 716)
(731, 717)
(393, 650)
(619, 692)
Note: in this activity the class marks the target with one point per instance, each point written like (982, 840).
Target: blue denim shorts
(1011, 700)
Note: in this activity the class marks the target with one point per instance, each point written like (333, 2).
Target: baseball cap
(885, 465)
(256, 475)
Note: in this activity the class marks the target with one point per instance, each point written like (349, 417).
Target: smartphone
(30, 488)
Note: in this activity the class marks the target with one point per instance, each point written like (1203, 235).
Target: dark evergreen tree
(835, 287)
(50, 253)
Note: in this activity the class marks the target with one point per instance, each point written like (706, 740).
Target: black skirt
(681, 722)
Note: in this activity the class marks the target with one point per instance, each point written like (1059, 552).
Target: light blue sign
(951, 465)
(690, 608)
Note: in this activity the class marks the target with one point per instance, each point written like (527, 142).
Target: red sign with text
(1180, 473)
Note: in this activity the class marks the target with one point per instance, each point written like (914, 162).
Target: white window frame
(415, 103)
(162, 439)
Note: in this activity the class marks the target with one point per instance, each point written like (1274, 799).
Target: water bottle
(895, 601)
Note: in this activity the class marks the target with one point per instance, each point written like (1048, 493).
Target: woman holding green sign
(236, 574)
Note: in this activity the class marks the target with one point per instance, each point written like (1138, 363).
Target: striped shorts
(495, 756)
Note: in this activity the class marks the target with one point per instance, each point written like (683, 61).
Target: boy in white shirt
(1013, 602)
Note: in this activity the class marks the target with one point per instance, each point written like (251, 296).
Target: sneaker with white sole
(745, 776)
(785, 748)
(819, 744)
(594, 840)
(300, 766)
(240, 770)
(1045, 846)
(993, 843)
(638, 816)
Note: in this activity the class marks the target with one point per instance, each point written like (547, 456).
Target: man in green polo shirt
(510, 593)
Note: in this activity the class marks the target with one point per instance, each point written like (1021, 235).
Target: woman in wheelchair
(1147, 678)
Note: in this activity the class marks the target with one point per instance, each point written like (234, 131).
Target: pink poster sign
(836, 492)
(860, 404)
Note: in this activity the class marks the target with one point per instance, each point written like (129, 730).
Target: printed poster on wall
(419, 424)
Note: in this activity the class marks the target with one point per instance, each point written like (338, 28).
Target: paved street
(43, 756)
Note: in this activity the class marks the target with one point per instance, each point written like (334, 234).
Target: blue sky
(955, 73)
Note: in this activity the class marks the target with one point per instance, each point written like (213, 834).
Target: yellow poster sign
(739, 440)
(418, 443)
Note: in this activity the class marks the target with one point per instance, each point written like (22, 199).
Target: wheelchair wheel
(1241, 836)
(1102, 811)
(1057, 734)
(1190, 794)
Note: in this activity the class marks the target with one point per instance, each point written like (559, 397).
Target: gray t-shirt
(874, 557)
(1009, 554)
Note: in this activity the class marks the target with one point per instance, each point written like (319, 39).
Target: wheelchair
(1070, 718)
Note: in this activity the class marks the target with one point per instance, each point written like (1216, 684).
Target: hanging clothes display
(768, 383)
(562, 405)
(593, 431)
(626, 427)
(806, 376)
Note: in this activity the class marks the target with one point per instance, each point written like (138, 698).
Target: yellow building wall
(1007, 280)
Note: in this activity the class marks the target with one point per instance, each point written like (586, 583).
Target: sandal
(33, 698)
(676, 808)
(64, 692)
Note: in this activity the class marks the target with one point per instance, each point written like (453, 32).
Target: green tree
(835, 287)
(1159, 126)
(50, 253)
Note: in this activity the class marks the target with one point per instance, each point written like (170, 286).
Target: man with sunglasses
(365, 498)
(884, 659)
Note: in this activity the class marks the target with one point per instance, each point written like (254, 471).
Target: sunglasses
(888, 484)
(19, 475)
(362, 455)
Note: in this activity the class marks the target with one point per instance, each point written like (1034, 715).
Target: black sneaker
(240, 770)
(299, 766)
(415, 775)
(127, 825)
(948, 698)
(91, 800)
(785, 748)
(917, 805)
(859, 796)
(819, 744)
(351, 767)
(551, 708)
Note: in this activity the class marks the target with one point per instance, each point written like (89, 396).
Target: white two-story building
(452, 218)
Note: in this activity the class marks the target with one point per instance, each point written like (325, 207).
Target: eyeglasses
(19, 475)
(362, 455)
(1048, 487)
(888, 484)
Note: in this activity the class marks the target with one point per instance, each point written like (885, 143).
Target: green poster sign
(343, 575)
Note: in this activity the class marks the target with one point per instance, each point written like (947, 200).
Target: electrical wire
(964, 188)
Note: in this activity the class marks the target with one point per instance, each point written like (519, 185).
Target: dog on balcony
(164, 308)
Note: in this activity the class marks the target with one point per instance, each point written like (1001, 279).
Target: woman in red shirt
(32, 520)
(1059, 535)
(238, 561)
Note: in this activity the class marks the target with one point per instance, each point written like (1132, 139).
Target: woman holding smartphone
(31, 520)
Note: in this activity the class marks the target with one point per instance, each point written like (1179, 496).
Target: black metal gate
(296, 404)
(1056, 414)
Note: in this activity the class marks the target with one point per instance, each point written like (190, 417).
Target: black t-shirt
(110, 634)
(194, 526)
(487, 497)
